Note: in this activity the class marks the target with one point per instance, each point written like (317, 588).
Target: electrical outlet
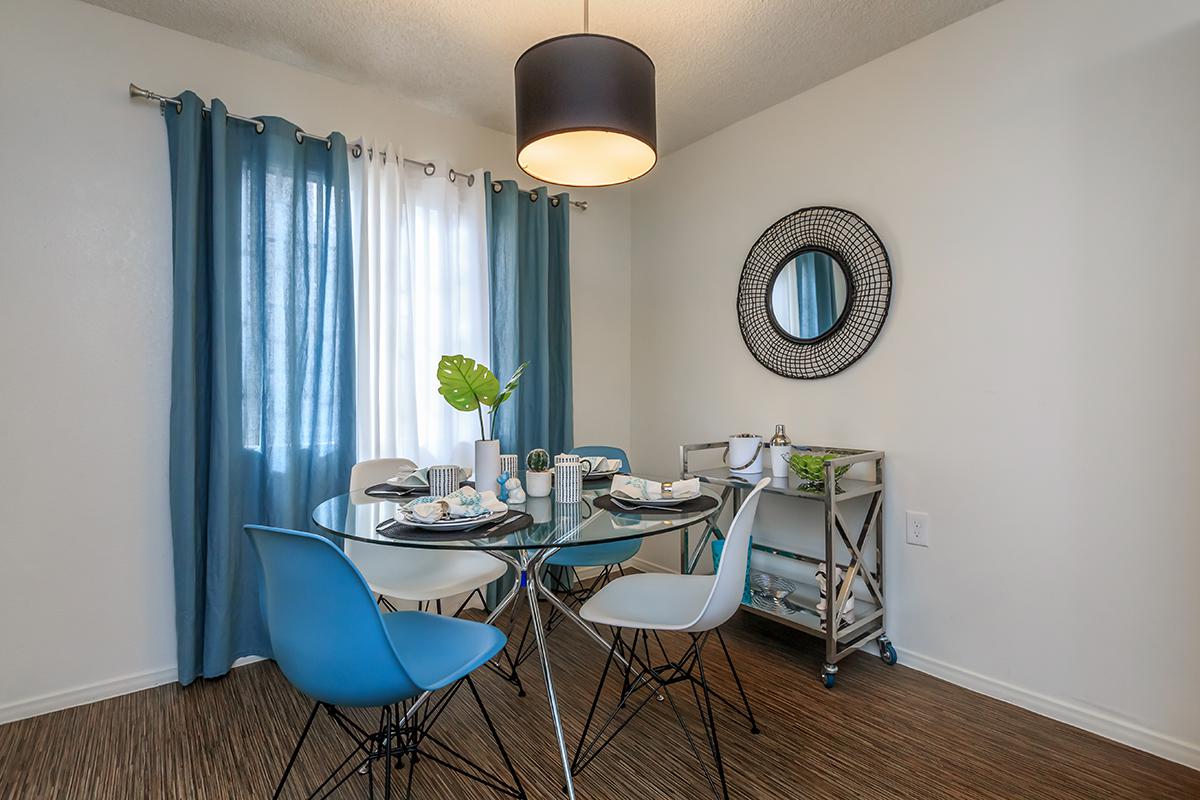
(918, 528)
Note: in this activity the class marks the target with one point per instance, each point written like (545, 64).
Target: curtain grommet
(497, 187)
(260, 127)
(452, 175)
(357, 150)
(470, 181)
(533, 195)
(299, 137)
(430, 168)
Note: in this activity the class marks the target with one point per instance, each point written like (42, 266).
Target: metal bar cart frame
(840, 639)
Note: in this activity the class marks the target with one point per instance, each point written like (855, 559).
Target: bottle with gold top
(781, 449)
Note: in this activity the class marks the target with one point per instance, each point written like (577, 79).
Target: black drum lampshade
(585, 111)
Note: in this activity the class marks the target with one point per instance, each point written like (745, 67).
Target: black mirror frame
(859, 252)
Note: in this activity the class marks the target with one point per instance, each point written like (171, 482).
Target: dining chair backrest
(326, 632)
(604, 451)
(366, 474)
(730, 582)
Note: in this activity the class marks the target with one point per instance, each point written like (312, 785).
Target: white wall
(1034, 172)
(85, 574)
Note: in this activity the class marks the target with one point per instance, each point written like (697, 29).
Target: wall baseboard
(1075, 715)
(1090, 720)
(95, 692)
(637, 562)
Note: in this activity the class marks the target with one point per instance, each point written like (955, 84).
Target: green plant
(538, 460)
(469, 386)
(811, 468)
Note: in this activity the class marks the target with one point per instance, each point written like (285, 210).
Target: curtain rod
(428, 167)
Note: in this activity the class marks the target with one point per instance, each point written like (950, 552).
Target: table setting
(463, 514)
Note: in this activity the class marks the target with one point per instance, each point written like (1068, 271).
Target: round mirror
(807, 296)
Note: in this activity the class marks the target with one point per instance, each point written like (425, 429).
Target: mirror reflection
(808, 295)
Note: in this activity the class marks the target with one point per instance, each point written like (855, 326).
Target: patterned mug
(443, 479)
(568, 478)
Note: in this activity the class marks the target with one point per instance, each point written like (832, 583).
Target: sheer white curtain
(421, 291)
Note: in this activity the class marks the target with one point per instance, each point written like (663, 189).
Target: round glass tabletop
(355, 515)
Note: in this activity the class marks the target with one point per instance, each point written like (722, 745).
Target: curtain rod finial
(137, 91)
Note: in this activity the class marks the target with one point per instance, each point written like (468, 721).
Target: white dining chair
(697, 605)
(411, 574)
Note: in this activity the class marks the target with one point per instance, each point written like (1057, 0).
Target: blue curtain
(262, 372)
(529, 273)
(818, 295)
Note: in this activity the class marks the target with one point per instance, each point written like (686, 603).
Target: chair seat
(596, 555)
(439, 650)
(650, 601)
(408, 573)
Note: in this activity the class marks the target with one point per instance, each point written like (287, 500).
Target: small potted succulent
(537, 479)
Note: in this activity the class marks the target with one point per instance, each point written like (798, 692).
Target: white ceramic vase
(537, 484)
(487, 465)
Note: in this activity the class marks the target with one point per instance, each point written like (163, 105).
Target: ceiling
(717, 61)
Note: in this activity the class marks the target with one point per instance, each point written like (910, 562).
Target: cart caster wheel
(829, 679)
(887, 652)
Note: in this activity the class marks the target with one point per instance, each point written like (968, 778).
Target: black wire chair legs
(405, 736)
(642, 679)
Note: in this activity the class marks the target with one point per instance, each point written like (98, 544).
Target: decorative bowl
(810, 467)
(770, 587)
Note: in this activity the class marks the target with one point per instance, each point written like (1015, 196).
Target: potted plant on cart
(469, 386)
(537, 479)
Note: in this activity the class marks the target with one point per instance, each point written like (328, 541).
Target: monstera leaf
(465, 384)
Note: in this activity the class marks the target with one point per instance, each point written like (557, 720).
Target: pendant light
(585, 110)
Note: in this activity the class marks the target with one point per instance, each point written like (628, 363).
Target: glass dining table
(357, 515)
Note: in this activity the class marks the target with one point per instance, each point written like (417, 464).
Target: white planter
(537, 484)
(487, 465)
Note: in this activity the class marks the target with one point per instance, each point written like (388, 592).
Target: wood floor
(884, 732)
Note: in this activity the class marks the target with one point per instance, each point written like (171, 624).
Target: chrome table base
(527, 565)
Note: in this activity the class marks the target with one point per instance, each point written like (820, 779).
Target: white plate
(623, 499)
(608, 474)
(453, 524)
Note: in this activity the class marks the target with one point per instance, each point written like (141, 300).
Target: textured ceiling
(717, 61)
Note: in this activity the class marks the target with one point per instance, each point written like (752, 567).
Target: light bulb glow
(587, 158)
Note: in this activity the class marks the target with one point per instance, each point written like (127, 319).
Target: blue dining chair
(332, 643)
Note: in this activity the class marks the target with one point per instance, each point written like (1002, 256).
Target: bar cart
(860, 559)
